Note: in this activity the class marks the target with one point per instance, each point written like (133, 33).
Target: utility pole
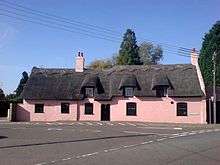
(214, 92)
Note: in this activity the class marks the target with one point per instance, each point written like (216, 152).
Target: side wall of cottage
(148, 110)
(52, 111)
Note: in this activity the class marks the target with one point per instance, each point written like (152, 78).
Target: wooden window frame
(88, 111)
(182, 109)
(65, 108)
(37, 106)
(130, 109)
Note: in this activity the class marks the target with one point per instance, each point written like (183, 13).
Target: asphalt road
(108, 143)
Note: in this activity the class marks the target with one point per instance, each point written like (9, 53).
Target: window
(89, 92)
(129, 92)
(181, 109)
(65, 107)
(88, 108)
(131, 109)
(39, 108)
(161, 92)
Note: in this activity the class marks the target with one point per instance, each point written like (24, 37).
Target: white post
(9, 117)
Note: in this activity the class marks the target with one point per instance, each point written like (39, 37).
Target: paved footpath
(108, 143)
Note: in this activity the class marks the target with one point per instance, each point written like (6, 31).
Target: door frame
(105, 107)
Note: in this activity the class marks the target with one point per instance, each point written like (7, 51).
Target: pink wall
(52, 111)
(160, 110)
(148, 110)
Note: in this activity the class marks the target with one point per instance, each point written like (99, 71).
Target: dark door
(105, 112)
(218, 112)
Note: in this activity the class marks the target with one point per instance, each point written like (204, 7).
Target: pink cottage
(152, 93)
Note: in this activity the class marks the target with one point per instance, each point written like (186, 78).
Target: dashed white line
(89, 123)
(121, 124)
(177, 128)
(161, 139)
(131, 124)
(64, 159)
(99, 123)
(109, 123)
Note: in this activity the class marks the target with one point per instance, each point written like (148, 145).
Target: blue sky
(24, 45)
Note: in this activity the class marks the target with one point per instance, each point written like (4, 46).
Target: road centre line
(131, 124)
(169, 128)
(145, 133)
(125, 146)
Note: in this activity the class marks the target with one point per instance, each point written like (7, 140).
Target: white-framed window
(89, 92)
(129, 91)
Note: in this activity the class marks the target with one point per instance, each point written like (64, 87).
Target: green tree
(2, 95)
(149, 53)
(211, 43)
(22, 83)
(128, 53)
(101, 64)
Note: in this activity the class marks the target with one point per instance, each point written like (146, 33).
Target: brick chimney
(80, 62)
(194, 57)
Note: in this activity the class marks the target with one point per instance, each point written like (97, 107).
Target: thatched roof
(161, 80)
(129, 80)
(66, 84)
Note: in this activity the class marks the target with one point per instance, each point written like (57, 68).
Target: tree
(128, 53)
(211, 43)
(2, 95)
(22, 83)
(149, 53)
(101, 64)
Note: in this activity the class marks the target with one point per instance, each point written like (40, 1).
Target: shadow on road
(73, 141)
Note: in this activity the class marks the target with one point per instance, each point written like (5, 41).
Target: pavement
(107, 143)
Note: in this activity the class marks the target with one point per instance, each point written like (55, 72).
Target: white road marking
(86, 155)
(121, 124)
(99, 123)
(178, 128)
(80, 123)
(131, 124)
(145, 133)
(141, 124)
(64, 159)
(192, 133)
(114, 149)
(41, 163)
(169, 128)
(55, 129)
(89, 123)
(109, 123)
(132, 145)
(161, 139)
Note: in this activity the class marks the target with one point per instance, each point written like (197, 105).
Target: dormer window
(128, 91)
(89, 92)
(161, 92)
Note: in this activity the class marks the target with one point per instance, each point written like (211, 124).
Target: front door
(105, 112)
